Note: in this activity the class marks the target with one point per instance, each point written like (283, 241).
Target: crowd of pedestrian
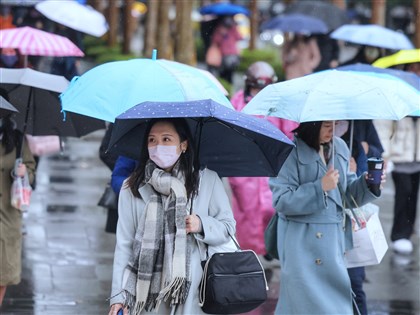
(169, 210)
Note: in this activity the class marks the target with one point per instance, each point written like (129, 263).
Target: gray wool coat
(211, 205)
(313, 232)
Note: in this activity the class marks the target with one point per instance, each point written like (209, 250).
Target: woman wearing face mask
(169, 211)
(313, 229)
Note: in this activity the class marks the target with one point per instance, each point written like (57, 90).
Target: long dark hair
(188, 161)
(309, 133)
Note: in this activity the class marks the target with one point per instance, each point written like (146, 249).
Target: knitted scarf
(159, 268)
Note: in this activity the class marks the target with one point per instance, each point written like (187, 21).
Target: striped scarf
(159, 268)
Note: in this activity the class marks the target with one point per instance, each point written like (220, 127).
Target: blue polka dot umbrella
(228, 142)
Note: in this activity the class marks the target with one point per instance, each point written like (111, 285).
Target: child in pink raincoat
(251, 196)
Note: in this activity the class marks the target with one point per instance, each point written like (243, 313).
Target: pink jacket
(251, 196)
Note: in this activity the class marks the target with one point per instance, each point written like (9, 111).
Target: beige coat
(400, 139)
(11, 218)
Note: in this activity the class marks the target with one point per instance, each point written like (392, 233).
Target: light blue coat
(211, 205)
(313, 232)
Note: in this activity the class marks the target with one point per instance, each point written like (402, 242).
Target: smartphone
(120, 312)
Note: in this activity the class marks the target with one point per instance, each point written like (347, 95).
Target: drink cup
(375, 168)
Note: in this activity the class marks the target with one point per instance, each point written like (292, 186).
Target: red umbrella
(31, 41)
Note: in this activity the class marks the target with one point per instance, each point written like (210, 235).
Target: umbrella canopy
(228, 142)
(223, 8)
(109, 89)
(409, 77)
(31, 41)
(74, 15)
(26, 3)
(399, 58)
(372, 35)
(6, 108)
(332, 15)
(35, 95)
(296, 23)
(337, 95)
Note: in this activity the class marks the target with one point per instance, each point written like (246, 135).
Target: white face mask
(164, 156)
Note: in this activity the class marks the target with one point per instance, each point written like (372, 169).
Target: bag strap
(347, 204)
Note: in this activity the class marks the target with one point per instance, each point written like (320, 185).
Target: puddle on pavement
(61, 208)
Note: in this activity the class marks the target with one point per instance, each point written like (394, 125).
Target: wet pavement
(67, 256)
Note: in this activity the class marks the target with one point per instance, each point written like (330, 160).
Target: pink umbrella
(31, 41)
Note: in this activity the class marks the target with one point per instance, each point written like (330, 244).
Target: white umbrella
(337, 95)
(74, 15)
(372, 35)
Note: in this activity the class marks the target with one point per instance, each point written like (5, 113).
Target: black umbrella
(6, 108)
(36, 96)
(332, 15)
(228, 142)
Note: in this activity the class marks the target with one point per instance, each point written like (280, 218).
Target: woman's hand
(20, 170)
(353, 165)
(330, 179)
(193, 223)
(115, 308)
(383, 179)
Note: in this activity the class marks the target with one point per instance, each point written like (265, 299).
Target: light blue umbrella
(109, 89)
(409, 77)
(337, 95)
(372, 35)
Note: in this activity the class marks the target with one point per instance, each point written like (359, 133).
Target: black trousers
(405, 204)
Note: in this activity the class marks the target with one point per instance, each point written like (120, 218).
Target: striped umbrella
(31, 41)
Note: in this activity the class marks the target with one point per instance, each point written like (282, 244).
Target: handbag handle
(346, 201)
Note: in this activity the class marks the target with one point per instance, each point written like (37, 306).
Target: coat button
(319, 235)
(318, 261)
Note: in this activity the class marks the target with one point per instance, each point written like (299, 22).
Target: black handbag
(109, 198)
(232, 283)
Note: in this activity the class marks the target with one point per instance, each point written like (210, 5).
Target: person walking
(251, 196)
(225, 37)
(11, 143)
(313, 230)
(401, 142)
(301, 56)
(169, 211)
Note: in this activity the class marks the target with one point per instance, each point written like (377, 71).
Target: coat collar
(145, 192)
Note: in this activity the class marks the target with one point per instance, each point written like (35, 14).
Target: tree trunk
(164, 43)
(128, 27)
(112, 18)
(378, 12)
(150, 36)
(416, 5)
(253, 24)
(184, 41)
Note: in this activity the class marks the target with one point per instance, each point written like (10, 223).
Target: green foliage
(199, 46)
(271, 56)
(96, 51)
(113, 56)
(228, 86)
